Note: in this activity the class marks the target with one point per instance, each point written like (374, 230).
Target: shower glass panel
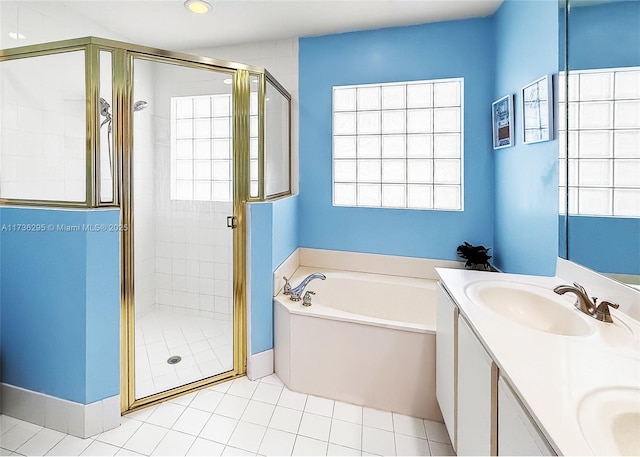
(105, 107)
(177, 142)
(276, 135)
(43, 128)
(183, 249)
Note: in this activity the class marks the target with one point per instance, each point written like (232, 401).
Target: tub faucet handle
(306, 300)
(287, 287)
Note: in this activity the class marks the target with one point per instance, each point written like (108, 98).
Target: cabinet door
(518, 434)
(446, 326)
(476, 381)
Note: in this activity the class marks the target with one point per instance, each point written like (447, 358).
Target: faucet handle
(582, 289)
(612, 305)
(602, 311)
(287, 287)
(306, 300)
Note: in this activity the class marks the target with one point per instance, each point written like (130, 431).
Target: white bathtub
(367, 339)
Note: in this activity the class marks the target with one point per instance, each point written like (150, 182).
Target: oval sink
(610, 420)
(531, 306)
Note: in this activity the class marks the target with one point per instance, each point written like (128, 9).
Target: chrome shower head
(140, 105)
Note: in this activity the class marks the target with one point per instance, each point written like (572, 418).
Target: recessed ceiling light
(17, 36)
(227, 81)
(197, 6)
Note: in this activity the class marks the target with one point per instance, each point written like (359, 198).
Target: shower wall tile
(171, 247)
(192, 241)
(43, 123)
(194, 277)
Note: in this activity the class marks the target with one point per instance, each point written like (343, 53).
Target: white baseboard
(62, 415)
(260, 365)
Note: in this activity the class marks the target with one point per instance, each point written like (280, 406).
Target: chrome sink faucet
(583, 302)
(588, 305)
(296, 292)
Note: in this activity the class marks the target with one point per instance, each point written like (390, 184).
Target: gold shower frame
(122, 58)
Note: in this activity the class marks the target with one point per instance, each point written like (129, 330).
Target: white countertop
(551, 373)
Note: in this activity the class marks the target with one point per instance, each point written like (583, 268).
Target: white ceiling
(167, 24)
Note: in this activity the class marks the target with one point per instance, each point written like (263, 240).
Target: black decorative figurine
(474, 255)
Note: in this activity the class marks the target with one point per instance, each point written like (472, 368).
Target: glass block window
(201, 148)
(253, 145)
(398, 145)
(603, 138)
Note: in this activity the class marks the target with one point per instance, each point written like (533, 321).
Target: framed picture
(537, 111)
(502, 121)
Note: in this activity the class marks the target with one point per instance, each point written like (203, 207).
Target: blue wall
(430, 51)
(605, 36)
(260, 285)
(102, 307)
(273, 236)
(526, 176)
(285, 229)
(60, 296)
(593, 244)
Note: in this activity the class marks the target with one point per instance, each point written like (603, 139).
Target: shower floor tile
(205, 346)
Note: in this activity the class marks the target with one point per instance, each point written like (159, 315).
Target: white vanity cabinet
(518, 434)
(476, 404)
(464, 380)
(482, 414)
(446, 350)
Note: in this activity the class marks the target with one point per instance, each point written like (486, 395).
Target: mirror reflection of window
(603, 137)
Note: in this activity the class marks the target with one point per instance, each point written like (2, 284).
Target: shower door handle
(232, 222)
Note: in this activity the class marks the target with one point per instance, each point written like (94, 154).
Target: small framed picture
(502, 121)
(537, 111)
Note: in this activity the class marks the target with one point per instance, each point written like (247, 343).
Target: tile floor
(205, 345)
(241, 417)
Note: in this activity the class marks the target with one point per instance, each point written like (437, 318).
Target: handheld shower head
(140, 105)
(104, 111)
(104, 107)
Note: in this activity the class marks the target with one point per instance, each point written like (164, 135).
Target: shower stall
(180, 144)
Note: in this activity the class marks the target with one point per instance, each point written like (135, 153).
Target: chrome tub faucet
(588, 305)
(296, 292)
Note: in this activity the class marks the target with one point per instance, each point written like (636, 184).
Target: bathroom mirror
(599, 135)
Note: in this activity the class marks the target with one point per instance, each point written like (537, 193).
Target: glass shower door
(182, 195)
